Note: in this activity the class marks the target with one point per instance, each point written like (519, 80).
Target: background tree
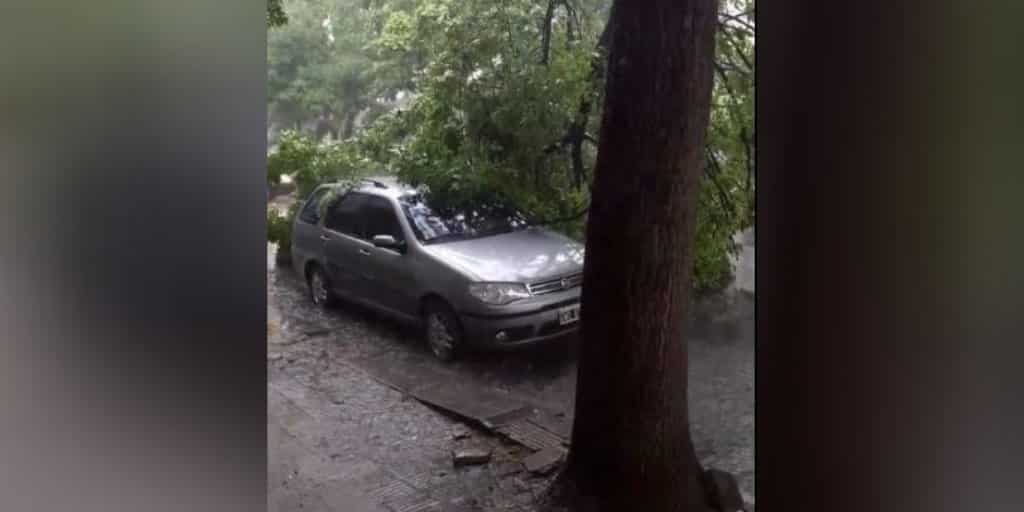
(480, 95)
(275, 14)
(322, 71)
(631, 446)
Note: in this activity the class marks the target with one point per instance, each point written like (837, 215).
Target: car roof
(384, 186)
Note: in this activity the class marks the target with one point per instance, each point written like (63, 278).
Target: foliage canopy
(477, 96)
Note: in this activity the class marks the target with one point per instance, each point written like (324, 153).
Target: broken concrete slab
(441, 388)
(470, 456)
(484, 406)
(507, 468)
(459, 433)
(544, 461)
(723, 491)
(559, 426)
(404, 372)
(531, 435)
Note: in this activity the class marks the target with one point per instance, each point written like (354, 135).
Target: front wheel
(320, 288)
(443, 332)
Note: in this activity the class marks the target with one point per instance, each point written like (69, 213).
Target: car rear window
(381, 219)
(347, 215)
(311, 212)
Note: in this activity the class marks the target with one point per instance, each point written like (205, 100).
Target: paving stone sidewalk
(339, 439)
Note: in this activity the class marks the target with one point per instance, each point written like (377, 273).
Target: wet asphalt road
(721, 364)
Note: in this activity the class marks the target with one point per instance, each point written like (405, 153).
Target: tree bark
(631, 446)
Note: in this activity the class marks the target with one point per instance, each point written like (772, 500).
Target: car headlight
(498, 293)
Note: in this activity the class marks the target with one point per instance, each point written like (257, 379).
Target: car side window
(381, 219)
(311, 212)
(346, 215)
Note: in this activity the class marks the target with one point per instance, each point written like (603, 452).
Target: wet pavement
(342, 437)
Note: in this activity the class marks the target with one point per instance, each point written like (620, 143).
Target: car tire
(320, 288)
(442, 330)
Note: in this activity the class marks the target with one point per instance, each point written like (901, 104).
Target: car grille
(556, 285)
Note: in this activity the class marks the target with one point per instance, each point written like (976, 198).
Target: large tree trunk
(631, 446)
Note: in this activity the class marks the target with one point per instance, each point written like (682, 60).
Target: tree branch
(749, 159)
(723, 78)
(576, 133)
(723, 197)
(735, 45)
(738, 18)
(545, 33)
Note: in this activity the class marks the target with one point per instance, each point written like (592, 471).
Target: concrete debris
(470, 456)
(508, 468)
(544, 461)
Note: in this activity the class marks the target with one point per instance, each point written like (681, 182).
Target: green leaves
(275, 14)
(487, 112)
(398, 34)
(279, 227)
(486, 109)
(311, 164)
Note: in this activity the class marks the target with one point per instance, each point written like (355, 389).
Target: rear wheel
(320, 288)
(443, 331)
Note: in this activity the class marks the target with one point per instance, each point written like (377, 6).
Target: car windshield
(434, 221)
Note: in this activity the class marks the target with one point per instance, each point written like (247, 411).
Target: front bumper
(521, 328)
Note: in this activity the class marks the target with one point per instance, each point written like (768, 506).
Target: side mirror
(387, 242)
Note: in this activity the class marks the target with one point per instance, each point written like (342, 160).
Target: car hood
(520, 256)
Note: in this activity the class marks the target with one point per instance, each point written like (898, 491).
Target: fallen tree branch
(738, 18)
(749, 158)
(576, 132)
(736, 47)
(723, 196)
(545, 33)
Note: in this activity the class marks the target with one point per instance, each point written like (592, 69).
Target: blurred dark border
(132, 210)
(133, 261)
(888, 293)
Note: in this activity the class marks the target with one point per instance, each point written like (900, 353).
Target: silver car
(470, 276)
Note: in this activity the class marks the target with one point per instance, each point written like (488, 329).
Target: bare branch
(740, 18)
(724, 79)
(747, 146)
(737, 49)
(576, 131)
(545, 31)
(723, 197)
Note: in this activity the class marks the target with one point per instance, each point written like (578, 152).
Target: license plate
(569, 314)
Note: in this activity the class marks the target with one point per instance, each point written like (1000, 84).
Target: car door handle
(325, 238)
(364, 252)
